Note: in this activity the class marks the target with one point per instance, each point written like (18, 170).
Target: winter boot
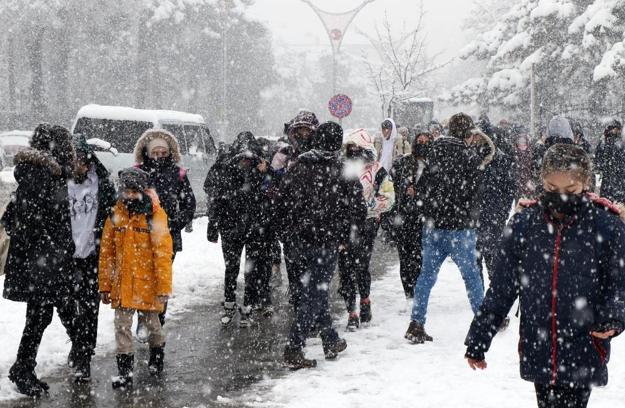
(23, 376)
(294, 359)
(230, 310)
(83, 369)
(353, 322)
(416, 334)
(332, 350)
(365, 311)
(157, 358)
(245, 313)
(125, 366)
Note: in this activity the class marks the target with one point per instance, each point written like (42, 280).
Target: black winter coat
(610, 164)
(175, 194)
(318, 206)
(570, 279)
(39, 266)
(454, 176)
(495, 197)
(406, 173)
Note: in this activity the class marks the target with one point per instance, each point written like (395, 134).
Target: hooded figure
(360, 164)
(610, 162)
(39, 265)
(301, 130)
(385, 144)
(168, 179)
(318, 210)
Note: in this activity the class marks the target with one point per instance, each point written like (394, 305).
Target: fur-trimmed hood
(38, 158)
(151, 134)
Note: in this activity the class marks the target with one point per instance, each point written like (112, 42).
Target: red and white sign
(340, 106)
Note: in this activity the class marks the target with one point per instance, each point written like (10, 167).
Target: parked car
(122, 126)
(14, 141)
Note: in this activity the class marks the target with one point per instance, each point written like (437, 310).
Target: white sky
(293, 23)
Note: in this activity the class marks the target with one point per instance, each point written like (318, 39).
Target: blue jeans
(314, 309)
(437, 246)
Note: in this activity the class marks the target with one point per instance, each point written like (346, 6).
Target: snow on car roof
(143, 115)
(17, 133)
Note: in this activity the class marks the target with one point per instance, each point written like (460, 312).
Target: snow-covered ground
(197, 271)
(381, 369)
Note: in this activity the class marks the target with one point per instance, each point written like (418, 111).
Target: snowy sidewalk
(381, 369)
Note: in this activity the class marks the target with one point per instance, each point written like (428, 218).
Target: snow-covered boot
(23, 376)
(416, 333)
(332, 350)
(157, 359)
(365, 311)
(294, 359)
(353, 322)
(125, 366)
(230, 310)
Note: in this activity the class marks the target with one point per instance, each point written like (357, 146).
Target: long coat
(570, 280)
(39, 265)
(135, 258)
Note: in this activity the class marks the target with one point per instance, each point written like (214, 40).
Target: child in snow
(562, 255)
(135, 269)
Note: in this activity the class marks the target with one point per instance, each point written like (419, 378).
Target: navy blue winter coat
(570, 279)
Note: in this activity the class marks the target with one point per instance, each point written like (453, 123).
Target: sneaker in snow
(365, 311)
(142, 331)
(294, 359)
(416, 334)
(331, 351)
(245, 313)
(230, 310)
(353, 322)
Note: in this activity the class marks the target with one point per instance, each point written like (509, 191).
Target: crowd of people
(318, 199)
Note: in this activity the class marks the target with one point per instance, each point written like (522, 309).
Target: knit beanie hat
(329, 137)
(133, 178)
(459, 125)
(559, 128)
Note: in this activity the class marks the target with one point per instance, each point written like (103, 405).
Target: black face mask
(421, 150)
(565, 204)
(137, 206)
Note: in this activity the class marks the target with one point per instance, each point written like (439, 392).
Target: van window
(178, 132)
(122, 134)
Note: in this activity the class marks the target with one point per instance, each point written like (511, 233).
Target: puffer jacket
(569, 277)
(135, 258)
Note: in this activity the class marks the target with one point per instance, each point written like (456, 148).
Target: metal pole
(532, 102)
(224, 72)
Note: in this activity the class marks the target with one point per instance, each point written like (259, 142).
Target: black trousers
(354, 273)
(295, 268)
(409, 248)
(259, 257)
(232, 245)
(38, 318)
(552, 396)
(86, 304)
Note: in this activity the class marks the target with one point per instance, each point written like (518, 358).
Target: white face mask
(354, 168)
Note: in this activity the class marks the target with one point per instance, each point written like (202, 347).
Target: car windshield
(122, 134)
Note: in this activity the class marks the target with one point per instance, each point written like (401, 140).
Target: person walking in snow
(158, 154)
(410, 184)
(562, 256)
(610, 162)
(455, 165)
(91, 198)
(317, 210)
(135, 270)
(388, 145)
(402, 147)
(523, 163)
(354, 260)
(39, 264)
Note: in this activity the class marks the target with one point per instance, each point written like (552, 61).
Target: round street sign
(340, 106)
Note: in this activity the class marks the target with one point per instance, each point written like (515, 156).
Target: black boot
(125, 366)
(294, 359)
(23, 376)
(416, 333)
(332, 350)
(365, 311)
(83, 369)
(156, 362)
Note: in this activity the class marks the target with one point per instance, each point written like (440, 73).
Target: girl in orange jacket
(136, 270)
